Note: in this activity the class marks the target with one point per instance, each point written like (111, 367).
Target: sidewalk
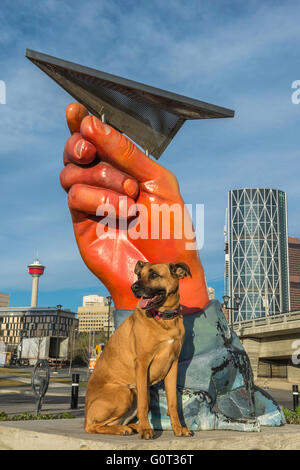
(16, 400)
(68, 434)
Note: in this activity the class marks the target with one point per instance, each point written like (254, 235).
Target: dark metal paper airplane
(149, 116)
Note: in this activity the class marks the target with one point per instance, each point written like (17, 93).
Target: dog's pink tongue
(143, 303)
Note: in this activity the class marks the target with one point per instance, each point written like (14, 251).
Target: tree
(85, 342)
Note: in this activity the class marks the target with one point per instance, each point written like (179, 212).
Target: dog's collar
(167, 315)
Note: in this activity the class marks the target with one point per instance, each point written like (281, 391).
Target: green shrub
(29, 416)
(292, 417)
(3, 416)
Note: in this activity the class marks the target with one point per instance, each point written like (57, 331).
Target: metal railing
(268, 320)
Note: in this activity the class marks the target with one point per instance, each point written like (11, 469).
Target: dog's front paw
(182, 431)
(127, 431)
(146, 433)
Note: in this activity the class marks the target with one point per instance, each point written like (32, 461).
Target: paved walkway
(19, 400)
(68, 434)
(27, 380)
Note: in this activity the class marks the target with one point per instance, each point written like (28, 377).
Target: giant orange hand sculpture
(102, 166)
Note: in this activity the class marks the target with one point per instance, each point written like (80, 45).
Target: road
(14, 400)
(20, 399)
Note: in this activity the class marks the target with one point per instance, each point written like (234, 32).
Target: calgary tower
(36, 269)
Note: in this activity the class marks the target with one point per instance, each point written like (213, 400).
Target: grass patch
(60, 381)
(4, 372)
(292, 417)
(12, 383)
(30, 416)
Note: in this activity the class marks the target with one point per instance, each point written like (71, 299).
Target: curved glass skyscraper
(258, 252)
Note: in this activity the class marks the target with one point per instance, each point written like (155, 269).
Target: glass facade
(16, 323)
(258, 252)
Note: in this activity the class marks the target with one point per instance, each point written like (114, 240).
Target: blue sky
(240, 55)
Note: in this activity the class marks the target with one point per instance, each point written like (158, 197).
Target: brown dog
(143, 351)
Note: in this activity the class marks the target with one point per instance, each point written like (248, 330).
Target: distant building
(95, 314)
(211, 293)
(294, 271)
(256, 258)
(40, 332)
(4, 300)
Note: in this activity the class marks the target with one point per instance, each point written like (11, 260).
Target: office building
(95, 314)
(4, 300)
(40, 332)
(294, 271)
(256, 253)
(211, 293)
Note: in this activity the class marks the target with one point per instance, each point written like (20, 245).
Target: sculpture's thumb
(75, 112)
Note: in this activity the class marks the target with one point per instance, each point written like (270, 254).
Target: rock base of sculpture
(215, 380)
(197, 413)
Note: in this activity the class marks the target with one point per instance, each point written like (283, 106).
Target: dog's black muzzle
(139, 290)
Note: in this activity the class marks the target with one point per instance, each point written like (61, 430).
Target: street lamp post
(22, 330)
(237, 301)
(75, 330)
(23, 333)
(57, 339)
(109, 300)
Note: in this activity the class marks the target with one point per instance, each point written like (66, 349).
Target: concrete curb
(69, 435)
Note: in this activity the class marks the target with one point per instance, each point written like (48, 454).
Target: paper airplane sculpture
(149, 116)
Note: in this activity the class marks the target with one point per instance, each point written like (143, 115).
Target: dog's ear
(139, 266)
(180, 270)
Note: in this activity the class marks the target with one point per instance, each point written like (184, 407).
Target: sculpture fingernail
(131, 187)
(85, 151)
(100, 126)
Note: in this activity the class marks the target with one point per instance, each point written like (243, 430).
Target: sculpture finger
(78, 150)
(101, 175)
(75, 112)
(98, 201)
(115, 148)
